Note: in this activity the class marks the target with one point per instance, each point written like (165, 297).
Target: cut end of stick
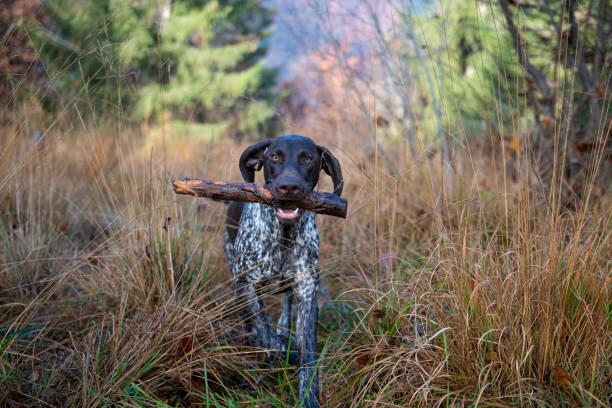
(182, 186)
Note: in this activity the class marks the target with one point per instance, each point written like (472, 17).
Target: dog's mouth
(288, 214)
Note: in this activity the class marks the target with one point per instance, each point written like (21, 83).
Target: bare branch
(583, 71)
(521, 48)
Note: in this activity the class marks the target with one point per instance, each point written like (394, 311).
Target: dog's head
(291, 164)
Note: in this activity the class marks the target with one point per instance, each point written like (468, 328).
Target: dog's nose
(289, 189)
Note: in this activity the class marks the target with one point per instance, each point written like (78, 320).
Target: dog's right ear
(251, 160)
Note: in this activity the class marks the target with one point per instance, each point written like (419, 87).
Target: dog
(277, 246)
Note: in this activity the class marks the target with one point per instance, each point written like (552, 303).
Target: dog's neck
(289, 232)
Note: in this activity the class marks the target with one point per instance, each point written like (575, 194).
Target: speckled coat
(268, 254)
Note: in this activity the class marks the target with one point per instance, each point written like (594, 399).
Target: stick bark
(318, 202)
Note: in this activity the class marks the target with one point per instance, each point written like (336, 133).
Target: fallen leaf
(184, 346)
(562, 376)
(363, 357)
(491, 356)
(513, 142)
(382, 122)
(547, 123)
(378, 313)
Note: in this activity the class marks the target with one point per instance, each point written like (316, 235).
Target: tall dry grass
(478, 288)
(114, 292)
(91, 237)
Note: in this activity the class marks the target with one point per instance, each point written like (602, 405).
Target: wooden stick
(321, 203)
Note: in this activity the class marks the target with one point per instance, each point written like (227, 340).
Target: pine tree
(186, 61)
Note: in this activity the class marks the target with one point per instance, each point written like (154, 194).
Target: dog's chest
(264, 249)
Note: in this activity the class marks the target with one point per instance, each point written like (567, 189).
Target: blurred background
(474, 267)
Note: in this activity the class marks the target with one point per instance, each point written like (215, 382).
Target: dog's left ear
(331, 166)
(251, 160)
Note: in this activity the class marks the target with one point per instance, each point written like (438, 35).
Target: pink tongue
(287, 214)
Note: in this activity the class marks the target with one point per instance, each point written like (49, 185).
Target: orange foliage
(332, 98)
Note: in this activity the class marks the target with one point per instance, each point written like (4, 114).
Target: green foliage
(476, 68)
(478, 74)
(189, 60)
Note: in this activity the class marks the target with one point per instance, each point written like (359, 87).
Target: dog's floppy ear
(251, 160)
(331, 166)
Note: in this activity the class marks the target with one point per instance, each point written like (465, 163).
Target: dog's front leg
(284, 330)
(246, 294)
(306, 328)
(284, 320)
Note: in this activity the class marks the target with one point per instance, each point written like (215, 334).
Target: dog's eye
(307, 159)
(274, 157)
